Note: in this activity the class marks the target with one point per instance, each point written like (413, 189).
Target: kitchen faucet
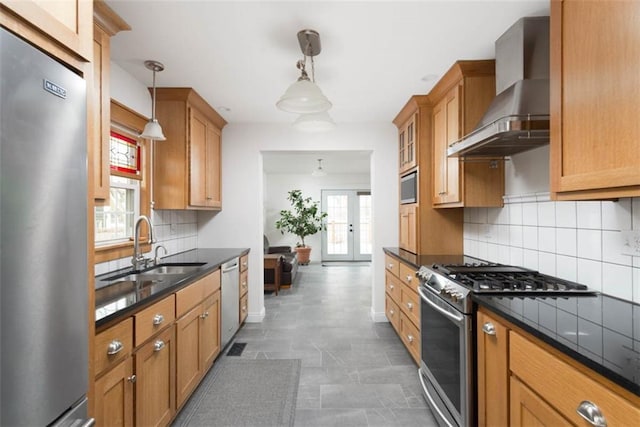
(138, 260)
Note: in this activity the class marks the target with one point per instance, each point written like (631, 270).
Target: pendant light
(319, 171)
(304, 96)
(153, 130)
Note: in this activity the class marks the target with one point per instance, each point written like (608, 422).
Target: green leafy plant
(304, 220)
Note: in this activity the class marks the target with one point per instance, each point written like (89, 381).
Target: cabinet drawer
(564, 386)
(244, 282)
(392, 264)
(410, 336)
(408, 275)
(113, 345)
(244, 308)
(187, 298)
(153, 319)
(393, 287)
(410, 304)
(392, 311)
(210, 283)
(244, 262)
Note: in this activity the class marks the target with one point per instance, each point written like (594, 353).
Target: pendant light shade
(153, 130)
(318, 171)
(314, 122)
(303, 97)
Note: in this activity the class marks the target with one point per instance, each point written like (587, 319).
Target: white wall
(277, 187)
(240, 223)
(128, 91)
(577, 241)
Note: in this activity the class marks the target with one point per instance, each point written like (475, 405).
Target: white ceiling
(241, 55)
(304, 162)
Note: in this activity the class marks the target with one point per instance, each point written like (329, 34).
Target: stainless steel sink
(170, 269)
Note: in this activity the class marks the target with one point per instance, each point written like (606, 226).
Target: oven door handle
(451, 316)
(431, 401)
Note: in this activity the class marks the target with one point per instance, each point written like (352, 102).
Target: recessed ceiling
(304, 162)
(241, 55)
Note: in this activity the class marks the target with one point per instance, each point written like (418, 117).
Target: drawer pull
(158, 345)
(132, 378)
(390, 266)
(410, 338)
(391, 287)
(408, 278)
(158, 319)
(114, 347)
(590, 412)
(244, 264)
(244, 308)
(204, 315)
(391, 312)
(488, 328)
(410, 306)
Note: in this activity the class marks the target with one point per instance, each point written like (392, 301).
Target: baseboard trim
(378, 316)
(256, 317)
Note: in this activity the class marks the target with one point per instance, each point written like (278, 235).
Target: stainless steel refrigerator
(43, 245)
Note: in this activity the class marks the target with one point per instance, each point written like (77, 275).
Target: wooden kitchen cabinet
(528, 409)
(407, 147)
(409, 227)
(106, 24)
(422, 229)
(459, 100)
(62, 27)
(492, 370)
(114, 396)
(197, 333)
(244, 288)
(402, 306)
(155, 365)
(187, 171)
(595, 98)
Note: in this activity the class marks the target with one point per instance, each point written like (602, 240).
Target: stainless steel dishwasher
(230, 294)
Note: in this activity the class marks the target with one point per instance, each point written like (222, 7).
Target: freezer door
(43, 236)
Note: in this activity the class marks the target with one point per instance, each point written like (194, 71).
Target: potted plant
(304, 220)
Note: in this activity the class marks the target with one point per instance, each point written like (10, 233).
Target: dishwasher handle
(232, 267)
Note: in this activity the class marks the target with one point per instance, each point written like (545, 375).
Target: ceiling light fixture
(319, 171)
(314, 122)
(153, 130)
(304, 96)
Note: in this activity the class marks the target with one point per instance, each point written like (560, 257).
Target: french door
(348, 233)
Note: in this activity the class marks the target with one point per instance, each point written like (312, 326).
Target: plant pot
(303, 254)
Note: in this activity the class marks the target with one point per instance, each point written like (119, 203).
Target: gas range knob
(456, 296)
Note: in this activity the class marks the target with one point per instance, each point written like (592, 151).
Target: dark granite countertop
(600, 331)
(117, 299)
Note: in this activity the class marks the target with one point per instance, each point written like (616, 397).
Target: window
(114, 222)
(129, 187)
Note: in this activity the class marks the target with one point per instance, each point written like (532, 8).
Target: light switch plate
(631, 242)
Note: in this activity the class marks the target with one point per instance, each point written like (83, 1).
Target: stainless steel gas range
(447, 327)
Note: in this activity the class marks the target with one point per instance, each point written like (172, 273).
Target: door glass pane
(364, 203)
(337, 224)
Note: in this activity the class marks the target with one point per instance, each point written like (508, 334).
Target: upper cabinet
(407, 147)
(460, 99)
(187, 166)
(62, 28)
(595, 99)
(106, 24)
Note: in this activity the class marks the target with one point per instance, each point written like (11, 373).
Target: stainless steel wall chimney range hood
(518, 118)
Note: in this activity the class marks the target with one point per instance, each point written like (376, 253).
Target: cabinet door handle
(390, 266)
(410, 306)
(590, 412)
(158, 345)
(209, 198)
(114, 347)
(410, 338)
(132, 378)
(488, 328)
(408, 278)
(244, 308)
(391, 312)
(158, 319)
(391, 287)
(204, 315)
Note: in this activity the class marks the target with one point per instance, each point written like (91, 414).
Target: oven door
(446, 368)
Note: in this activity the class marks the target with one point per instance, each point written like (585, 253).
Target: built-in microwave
(409, 188)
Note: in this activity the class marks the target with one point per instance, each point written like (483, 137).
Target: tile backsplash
(177, 230)
(577, 241)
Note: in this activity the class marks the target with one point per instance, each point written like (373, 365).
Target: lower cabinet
(114, 396)
(155, 364)
(402, 304)
(244, 288)
(148, 364)
(522, 381)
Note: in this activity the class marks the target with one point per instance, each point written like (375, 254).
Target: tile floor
(354, 372)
